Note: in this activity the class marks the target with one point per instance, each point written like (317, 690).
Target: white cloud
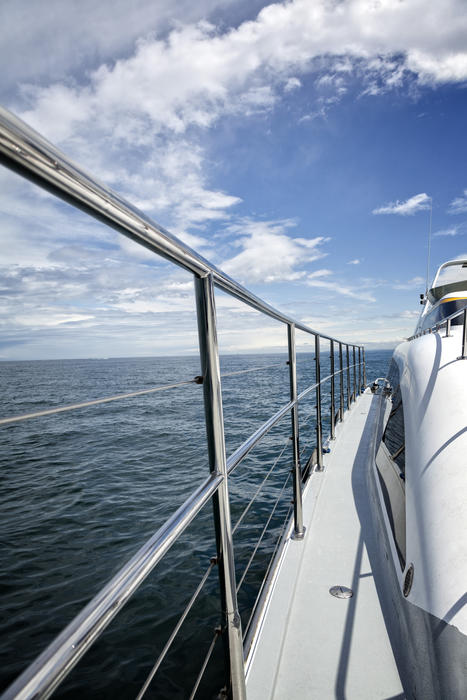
(292, 84)
(411, 206)
(441, 66)
(410, 284)
(372, 331)
(356, 261)
(51, 319)
(336, 287)
(268, 253)
(458, 205)
(409, 314)
(319, 273)
(450, 231)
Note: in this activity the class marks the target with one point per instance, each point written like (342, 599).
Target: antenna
(429, 249)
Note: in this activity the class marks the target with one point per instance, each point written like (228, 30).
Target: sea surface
(81, 491)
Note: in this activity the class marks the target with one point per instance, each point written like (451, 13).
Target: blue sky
(295, 145)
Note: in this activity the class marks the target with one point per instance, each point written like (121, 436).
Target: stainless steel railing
(26, 152)
(447, 323)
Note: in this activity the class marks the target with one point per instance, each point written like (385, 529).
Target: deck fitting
(341, 592)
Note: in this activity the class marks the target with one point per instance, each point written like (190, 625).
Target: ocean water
(81, 491)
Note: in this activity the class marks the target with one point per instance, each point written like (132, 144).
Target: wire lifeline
(175, 631)
(265, 577)
(204, 579)
(312, 412)
(263, 533)
(217, 634)
(237, 524)
(94, 402)
(119, 397)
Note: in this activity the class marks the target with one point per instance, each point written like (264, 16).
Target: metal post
(464, 337)
(333, 408)
(359, 370)
(299, 530)
(364, 370)
(448, 328)
(354, 374)
(348, 377)
(341, 384)
(209, 356)
(319, 429)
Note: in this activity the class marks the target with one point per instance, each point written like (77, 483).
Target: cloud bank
(158, 100)
(140, 122)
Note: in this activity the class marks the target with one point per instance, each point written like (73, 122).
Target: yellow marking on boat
(444, 301)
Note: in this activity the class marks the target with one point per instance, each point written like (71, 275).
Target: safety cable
(217, 634)
(262, 534)
(259, 488)
(175, 631)
(118, 397)
(94, 402)
(265, 577)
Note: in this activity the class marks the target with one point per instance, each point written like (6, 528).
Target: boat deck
(312, 644)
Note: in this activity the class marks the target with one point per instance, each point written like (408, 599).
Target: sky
(299, 146)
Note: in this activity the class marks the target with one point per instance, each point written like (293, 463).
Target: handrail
(25, 151)
(439, 323)
(29, 154)
(447, 322)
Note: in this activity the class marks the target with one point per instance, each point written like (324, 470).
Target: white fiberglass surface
(312, 644)
(434, 392)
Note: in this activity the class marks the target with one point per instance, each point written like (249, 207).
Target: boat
(364, 596)
(400, 524)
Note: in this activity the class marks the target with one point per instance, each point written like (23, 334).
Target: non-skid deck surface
(313, 645)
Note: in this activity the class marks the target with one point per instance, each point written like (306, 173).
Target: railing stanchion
(354, 373)
(448, 328)
(364, 370)
(464, 337)
(360, 372)
(299, 530)
(348, 376)
(209, 356)
(319, 430)
(333, 388)
(341, 384)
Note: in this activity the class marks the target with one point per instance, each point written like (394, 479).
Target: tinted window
(394, 436)
(445, 309)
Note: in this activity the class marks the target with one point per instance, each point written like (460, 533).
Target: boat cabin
(447, 295)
